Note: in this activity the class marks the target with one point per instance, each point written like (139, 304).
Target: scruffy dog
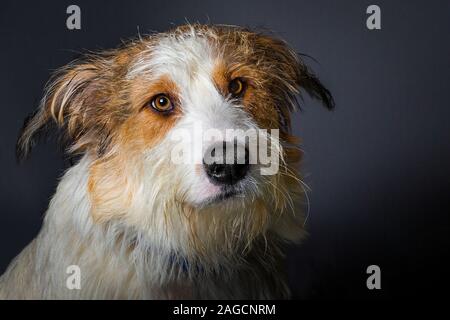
(134, 222)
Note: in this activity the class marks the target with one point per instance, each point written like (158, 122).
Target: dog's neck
(123, 255)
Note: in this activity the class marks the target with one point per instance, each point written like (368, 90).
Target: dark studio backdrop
(378, 166)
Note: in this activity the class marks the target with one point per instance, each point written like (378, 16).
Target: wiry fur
(139, 226)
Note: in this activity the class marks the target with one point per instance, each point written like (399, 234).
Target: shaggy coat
(140, 226)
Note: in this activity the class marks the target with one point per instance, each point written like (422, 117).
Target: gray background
(378, 165)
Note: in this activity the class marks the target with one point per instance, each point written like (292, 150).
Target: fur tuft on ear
(68, 103)
(34, 125)
(312, 85)
(291, 75)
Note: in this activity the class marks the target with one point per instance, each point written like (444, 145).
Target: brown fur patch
(109, 188)
(220, 76)
(111, 182)
(149, 126)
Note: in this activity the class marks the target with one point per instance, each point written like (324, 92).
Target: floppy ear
(69, 103)
(292, 75)
(312, 85)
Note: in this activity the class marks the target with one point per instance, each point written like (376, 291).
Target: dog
(134, 223)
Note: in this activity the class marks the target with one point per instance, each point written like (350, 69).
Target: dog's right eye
(161, 103)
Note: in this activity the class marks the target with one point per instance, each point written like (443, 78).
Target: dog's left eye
(161, 103)
(236, 87)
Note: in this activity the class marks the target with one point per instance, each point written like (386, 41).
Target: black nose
(226, 163)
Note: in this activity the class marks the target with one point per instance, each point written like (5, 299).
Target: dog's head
(157, 120)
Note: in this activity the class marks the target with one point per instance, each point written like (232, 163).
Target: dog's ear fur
(68, 102)
(289, 77)
(312, 85)
(293, 72)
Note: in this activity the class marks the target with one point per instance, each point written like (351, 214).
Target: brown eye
(236, 87)
(162, 103)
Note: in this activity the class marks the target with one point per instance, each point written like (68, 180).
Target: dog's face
(134, 110)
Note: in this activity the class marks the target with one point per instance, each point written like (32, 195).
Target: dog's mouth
(226, 194)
